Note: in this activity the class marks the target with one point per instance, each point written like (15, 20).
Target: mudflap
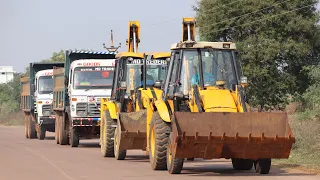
(133, 130)
(251, 135)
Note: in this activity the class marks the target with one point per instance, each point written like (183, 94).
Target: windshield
(93, 77)
(155, 72)
(45, 85)
(216, 65)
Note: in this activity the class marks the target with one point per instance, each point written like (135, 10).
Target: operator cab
(202, 64)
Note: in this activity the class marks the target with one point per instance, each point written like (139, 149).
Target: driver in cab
(207, 77)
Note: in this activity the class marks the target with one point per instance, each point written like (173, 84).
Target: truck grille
(46, 110)
(81, 109)
(93, 109)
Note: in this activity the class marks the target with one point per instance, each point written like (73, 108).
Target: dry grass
(306, 151)
(13, 119)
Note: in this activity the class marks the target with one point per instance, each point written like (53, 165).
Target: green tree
(277, 39)
(55, 57)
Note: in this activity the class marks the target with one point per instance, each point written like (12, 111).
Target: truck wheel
(242, 164)
(158, 141)
(262, 166)
(56, 131)
(41, 133)
(190, 159)
(32, 133)
(74, 138)
(26, 126)
(107, 135)
(174, 165)
(119, 155)
(63, 136)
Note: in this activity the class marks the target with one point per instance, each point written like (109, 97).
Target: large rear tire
(32, 133)
(119, 154)
(242, 164)
(107, 135)
(262, 166)
(56, 131)
(175, 165)
(41, 133)
(74, 137)
(158, 141)
(63, 135)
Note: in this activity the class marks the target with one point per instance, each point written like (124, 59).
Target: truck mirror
(244, 81)
(123, 85)
(158, 84)
(65, 81)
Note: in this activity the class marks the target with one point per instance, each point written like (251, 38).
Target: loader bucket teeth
(231, 135)
(133, 130)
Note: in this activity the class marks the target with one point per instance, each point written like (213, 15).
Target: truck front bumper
(86, 121)
(48, 120)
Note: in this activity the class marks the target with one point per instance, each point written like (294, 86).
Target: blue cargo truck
(78, 88)
(36, 99)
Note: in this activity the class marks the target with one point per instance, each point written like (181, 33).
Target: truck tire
(242, 164)
(26, 126)
(63, 136)
(175, 165)
(119, 155)
(41, 133)
(158, 141)
(32, 133)
(262, 166)
(56, 127)
(74, 137)
(107, 135)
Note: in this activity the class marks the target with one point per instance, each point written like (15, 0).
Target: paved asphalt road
(25, 159)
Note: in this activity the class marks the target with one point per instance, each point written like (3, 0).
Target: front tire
(158, 141)
(175, 165)
(107, 135)
(41, 132)
(63, 135)
(74, 138)
(32, 133)
(262, 166)
(242, 164)
(119, 154)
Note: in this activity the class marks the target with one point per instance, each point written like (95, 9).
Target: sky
(31, 30)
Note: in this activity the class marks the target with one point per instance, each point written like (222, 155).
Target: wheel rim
(153, 142)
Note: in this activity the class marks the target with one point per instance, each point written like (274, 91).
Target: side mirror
(33, 88)
(244, 81)
(123, 85)
(178, 95)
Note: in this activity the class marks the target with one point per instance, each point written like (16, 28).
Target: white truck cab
(43, 97)
(89, 81)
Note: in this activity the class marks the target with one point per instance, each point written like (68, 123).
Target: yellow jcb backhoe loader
(132, 126)
(110, 108)
(203, 113)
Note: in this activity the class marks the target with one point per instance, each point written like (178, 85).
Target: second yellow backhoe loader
(203, 113)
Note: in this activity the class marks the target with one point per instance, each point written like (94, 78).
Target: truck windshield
(45, 85)
(216, 65)
(155, 72)
(93, 77)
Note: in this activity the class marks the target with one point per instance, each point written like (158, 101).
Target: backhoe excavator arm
(188, 29)
(133, 36)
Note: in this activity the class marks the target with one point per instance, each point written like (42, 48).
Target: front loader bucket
(249, 135)
(133, 130)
